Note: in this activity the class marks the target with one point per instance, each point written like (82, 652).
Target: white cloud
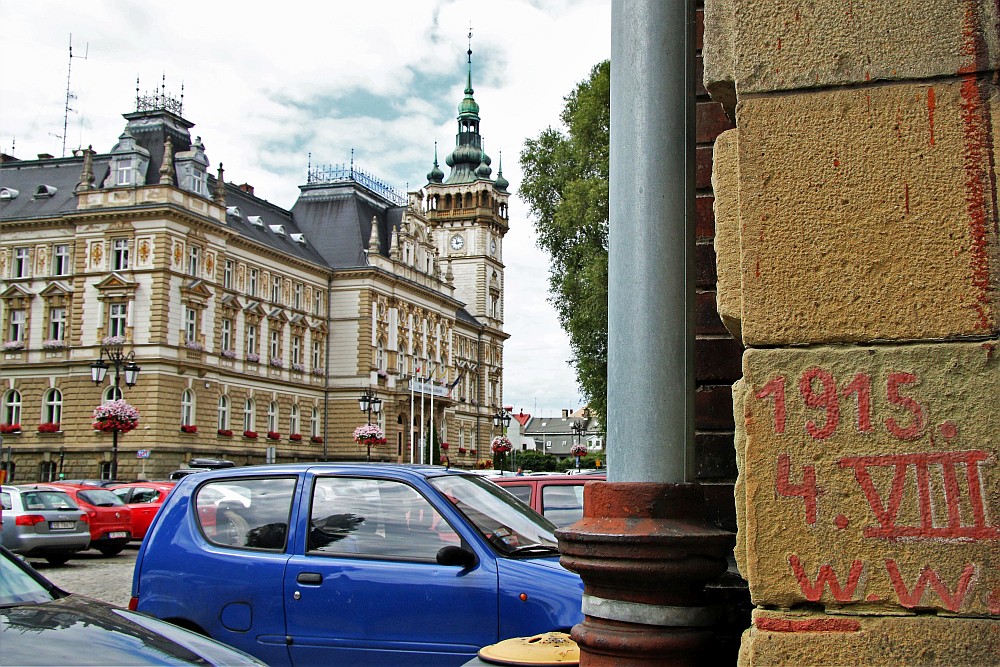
(255, 78)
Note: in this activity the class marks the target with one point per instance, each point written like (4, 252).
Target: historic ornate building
(256, 328)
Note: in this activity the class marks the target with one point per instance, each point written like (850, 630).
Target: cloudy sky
(267, 83)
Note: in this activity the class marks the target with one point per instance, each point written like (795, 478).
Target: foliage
(531, 459)
(116, 415)
(189, 428)
(566, 186)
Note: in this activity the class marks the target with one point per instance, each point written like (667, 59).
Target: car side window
(375, 518)
(522, 492)
(5, 501)
(246, 513)
(143, 495)
(562, 504)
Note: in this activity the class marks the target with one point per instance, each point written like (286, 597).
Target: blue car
(353, 564)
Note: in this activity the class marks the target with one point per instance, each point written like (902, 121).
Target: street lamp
(124, 363)
(578, 429)
(501, 418)
(369, 403)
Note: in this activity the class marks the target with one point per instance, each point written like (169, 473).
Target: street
(91, 574)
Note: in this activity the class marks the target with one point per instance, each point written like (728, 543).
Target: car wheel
(57, 560)
(233, 530)
(111, 551)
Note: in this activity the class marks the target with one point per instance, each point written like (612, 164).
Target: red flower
(273, 435)
(49, 427)
(444, 445)
(189, 428)
(10, 428)
(316, 439)
(249, 434)
(225, 431)
(295, 436)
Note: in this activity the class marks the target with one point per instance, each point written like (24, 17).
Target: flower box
(194, 345)
(462, 450)
(273, 435)
(229, 354)
(10, 428)
(500, 445)
(444, 446)
(189, 428)
(49, 427)
(250, 434)
(299, 368)
(13, 345)
(53, 344)
(113, 341)
(316, 440)
(295, 437)
(226, 432)
(253, 358)
(276, 362)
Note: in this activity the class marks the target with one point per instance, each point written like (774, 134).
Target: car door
(366, 589)
(143, 501)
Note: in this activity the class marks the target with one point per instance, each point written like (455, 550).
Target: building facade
(256, 328)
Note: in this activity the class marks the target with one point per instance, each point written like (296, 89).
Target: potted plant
(273, 435)
(189, 428)
(500, 445)
(10, 428)
(368, 435)
(250, 434)
(295, 437)
(49, 427)
(226, 432)
(115, 416)
(316, 440)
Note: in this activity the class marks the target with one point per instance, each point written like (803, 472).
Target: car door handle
(309, 578)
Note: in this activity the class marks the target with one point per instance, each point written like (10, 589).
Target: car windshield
(100, 498)
(511, 528)
(19, 587)
(47, 500)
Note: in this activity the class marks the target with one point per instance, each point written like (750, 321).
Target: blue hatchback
(353, 564)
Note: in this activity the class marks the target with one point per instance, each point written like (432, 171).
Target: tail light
(84, 518)
(29, 519)
(133, 603)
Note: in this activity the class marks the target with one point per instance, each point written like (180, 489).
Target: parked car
(42, 523)
(41, 624)
(143, 499)
(110, 520)
(559, 498)
(348, 564)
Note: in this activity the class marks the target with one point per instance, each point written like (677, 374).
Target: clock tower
(467, 212)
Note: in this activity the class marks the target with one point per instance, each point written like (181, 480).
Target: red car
(559, 498)
(143, 499)
(110, 520)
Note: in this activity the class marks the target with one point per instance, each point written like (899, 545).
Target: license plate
(62, 525)
(115, 536)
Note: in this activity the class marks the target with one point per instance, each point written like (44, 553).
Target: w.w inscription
(875, 486)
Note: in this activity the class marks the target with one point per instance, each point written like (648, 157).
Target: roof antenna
(69, 94)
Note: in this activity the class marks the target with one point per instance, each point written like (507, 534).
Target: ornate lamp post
(501, 419)
(369, 403)
(113, 351)
(578, 429)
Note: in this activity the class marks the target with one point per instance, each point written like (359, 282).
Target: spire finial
(468, 85)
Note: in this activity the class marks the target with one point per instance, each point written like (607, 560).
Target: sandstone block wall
(856, 207)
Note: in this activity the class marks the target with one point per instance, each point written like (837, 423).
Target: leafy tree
(566, 186)
(530, 459)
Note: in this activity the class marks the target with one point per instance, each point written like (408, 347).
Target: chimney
(247, 188)
(44, 156)
(565, 413)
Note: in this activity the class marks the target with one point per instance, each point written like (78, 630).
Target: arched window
(223, 412)
(249, 416)
(272, 416)
(12, 407)
(112, 393)
(314, 423)
(187, 408)
(293, 419)
(52, 407)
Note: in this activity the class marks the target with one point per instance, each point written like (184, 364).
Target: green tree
(566, 186)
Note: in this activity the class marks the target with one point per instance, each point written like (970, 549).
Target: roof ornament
(219, 193)
(435, 175)
(394, 245)
(501, 182)
(373, 243)
(87, 175)
(167, 167)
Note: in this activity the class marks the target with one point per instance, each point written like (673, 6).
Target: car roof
(545, 479)
(395, 469)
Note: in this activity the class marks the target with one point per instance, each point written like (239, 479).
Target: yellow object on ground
(551, 648)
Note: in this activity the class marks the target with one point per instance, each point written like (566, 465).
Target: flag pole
(411, 418)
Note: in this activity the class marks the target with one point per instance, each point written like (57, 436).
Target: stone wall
(857, 248)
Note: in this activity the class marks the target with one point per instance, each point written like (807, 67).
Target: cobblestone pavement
(94, 575)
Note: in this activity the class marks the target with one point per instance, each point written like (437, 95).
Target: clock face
(493, 246)
(457, 242)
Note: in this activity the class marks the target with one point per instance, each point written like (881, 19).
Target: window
(296, 350)
(227, 274)
(227, 334)
(275, 345)
(251, 339)
(18, 325)
(249, 415)
(272, 417)
(293, 419)
(223, 412)
(317, 302)
(117, 319)
(119, 254)
(112, 393)
(314, 423)
(187, 408)
(375, 518)
(297, 298)
(60, 260)
(252, 282)
(190, 325)
(52, 407)
(194, 260)
(246, 513)
(276, 289)
(21, 263)
(12, 407)
(198, 182)
(380, 357)
(124, 172)
(47, 471)
(57, 324)
(317, 355)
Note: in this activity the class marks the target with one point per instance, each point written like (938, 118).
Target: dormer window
(123, 172)
(299, 238)
(278, 229)
(129, 161)
(43, 191)
(192, 169)
(235, 212)
(255, 220)
(8, 193)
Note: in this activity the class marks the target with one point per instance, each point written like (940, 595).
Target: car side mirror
(455, 555)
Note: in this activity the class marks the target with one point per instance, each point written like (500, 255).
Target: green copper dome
(435, 175)
(501, 182)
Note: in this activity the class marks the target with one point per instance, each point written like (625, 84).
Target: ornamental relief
(3, 264)
(144, 251)
(95, 253)
(178, 253)
(40, 258)
(241, 274)
(210, 265)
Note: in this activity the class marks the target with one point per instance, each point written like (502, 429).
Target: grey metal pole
(650, 341)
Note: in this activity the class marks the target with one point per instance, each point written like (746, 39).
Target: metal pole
(114, 434)
(411, 417)
(650, 249)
